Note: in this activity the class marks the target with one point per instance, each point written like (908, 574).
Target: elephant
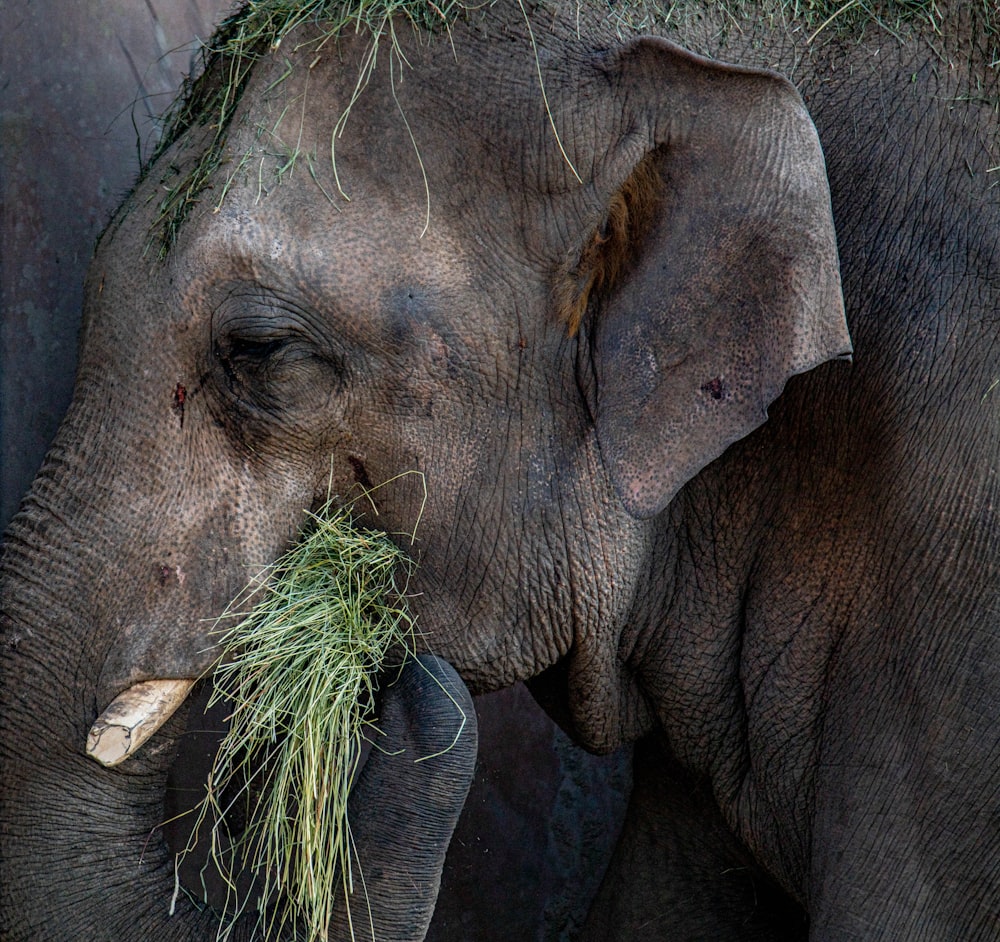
(93, 98)
(667, 350)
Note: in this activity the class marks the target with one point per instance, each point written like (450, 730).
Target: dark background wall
(81, 82)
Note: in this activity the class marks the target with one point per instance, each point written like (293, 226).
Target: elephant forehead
(444, 148)
(357, 252)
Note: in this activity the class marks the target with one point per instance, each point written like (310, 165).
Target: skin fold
(589, 354)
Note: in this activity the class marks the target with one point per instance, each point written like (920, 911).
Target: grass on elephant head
(300, 674)
(258, 28)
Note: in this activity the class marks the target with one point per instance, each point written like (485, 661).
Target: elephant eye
(270, 358)
(256, 349)
(252, 362)
(274, 368)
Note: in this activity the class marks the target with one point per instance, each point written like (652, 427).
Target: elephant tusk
(132, 717)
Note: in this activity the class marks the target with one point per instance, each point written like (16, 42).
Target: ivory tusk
(132, 717)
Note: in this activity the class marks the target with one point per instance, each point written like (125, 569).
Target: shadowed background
(81, 83)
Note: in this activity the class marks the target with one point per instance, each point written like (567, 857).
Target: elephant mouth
(206, 851)
(215, 857)
(196, 842)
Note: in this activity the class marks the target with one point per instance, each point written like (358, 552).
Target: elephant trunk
(107, 579)
(83, 849)
(78, 839)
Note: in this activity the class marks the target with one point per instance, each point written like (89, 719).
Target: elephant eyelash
(259, 370)
(241, 358)
(237, 361)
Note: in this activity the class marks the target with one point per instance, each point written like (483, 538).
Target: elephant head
(514, 289)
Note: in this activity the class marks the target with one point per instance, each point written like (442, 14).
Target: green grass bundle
(300, 674)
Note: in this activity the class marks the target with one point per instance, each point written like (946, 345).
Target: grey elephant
(562, 270)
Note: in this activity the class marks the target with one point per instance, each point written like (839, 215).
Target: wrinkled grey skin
(69, 125)
(796, 619)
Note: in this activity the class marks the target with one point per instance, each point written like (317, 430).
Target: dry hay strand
(262, 26)
(256, 30)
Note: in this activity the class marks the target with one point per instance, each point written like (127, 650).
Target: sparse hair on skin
(256, 29)
(611, 249)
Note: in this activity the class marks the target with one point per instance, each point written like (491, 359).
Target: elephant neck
(599, 712)
(598, 691)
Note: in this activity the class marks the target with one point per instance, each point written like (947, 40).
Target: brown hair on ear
(613, 245)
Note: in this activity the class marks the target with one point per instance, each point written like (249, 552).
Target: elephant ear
(713, 276)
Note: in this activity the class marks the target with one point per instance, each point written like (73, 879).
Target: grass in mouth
(301, 673)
